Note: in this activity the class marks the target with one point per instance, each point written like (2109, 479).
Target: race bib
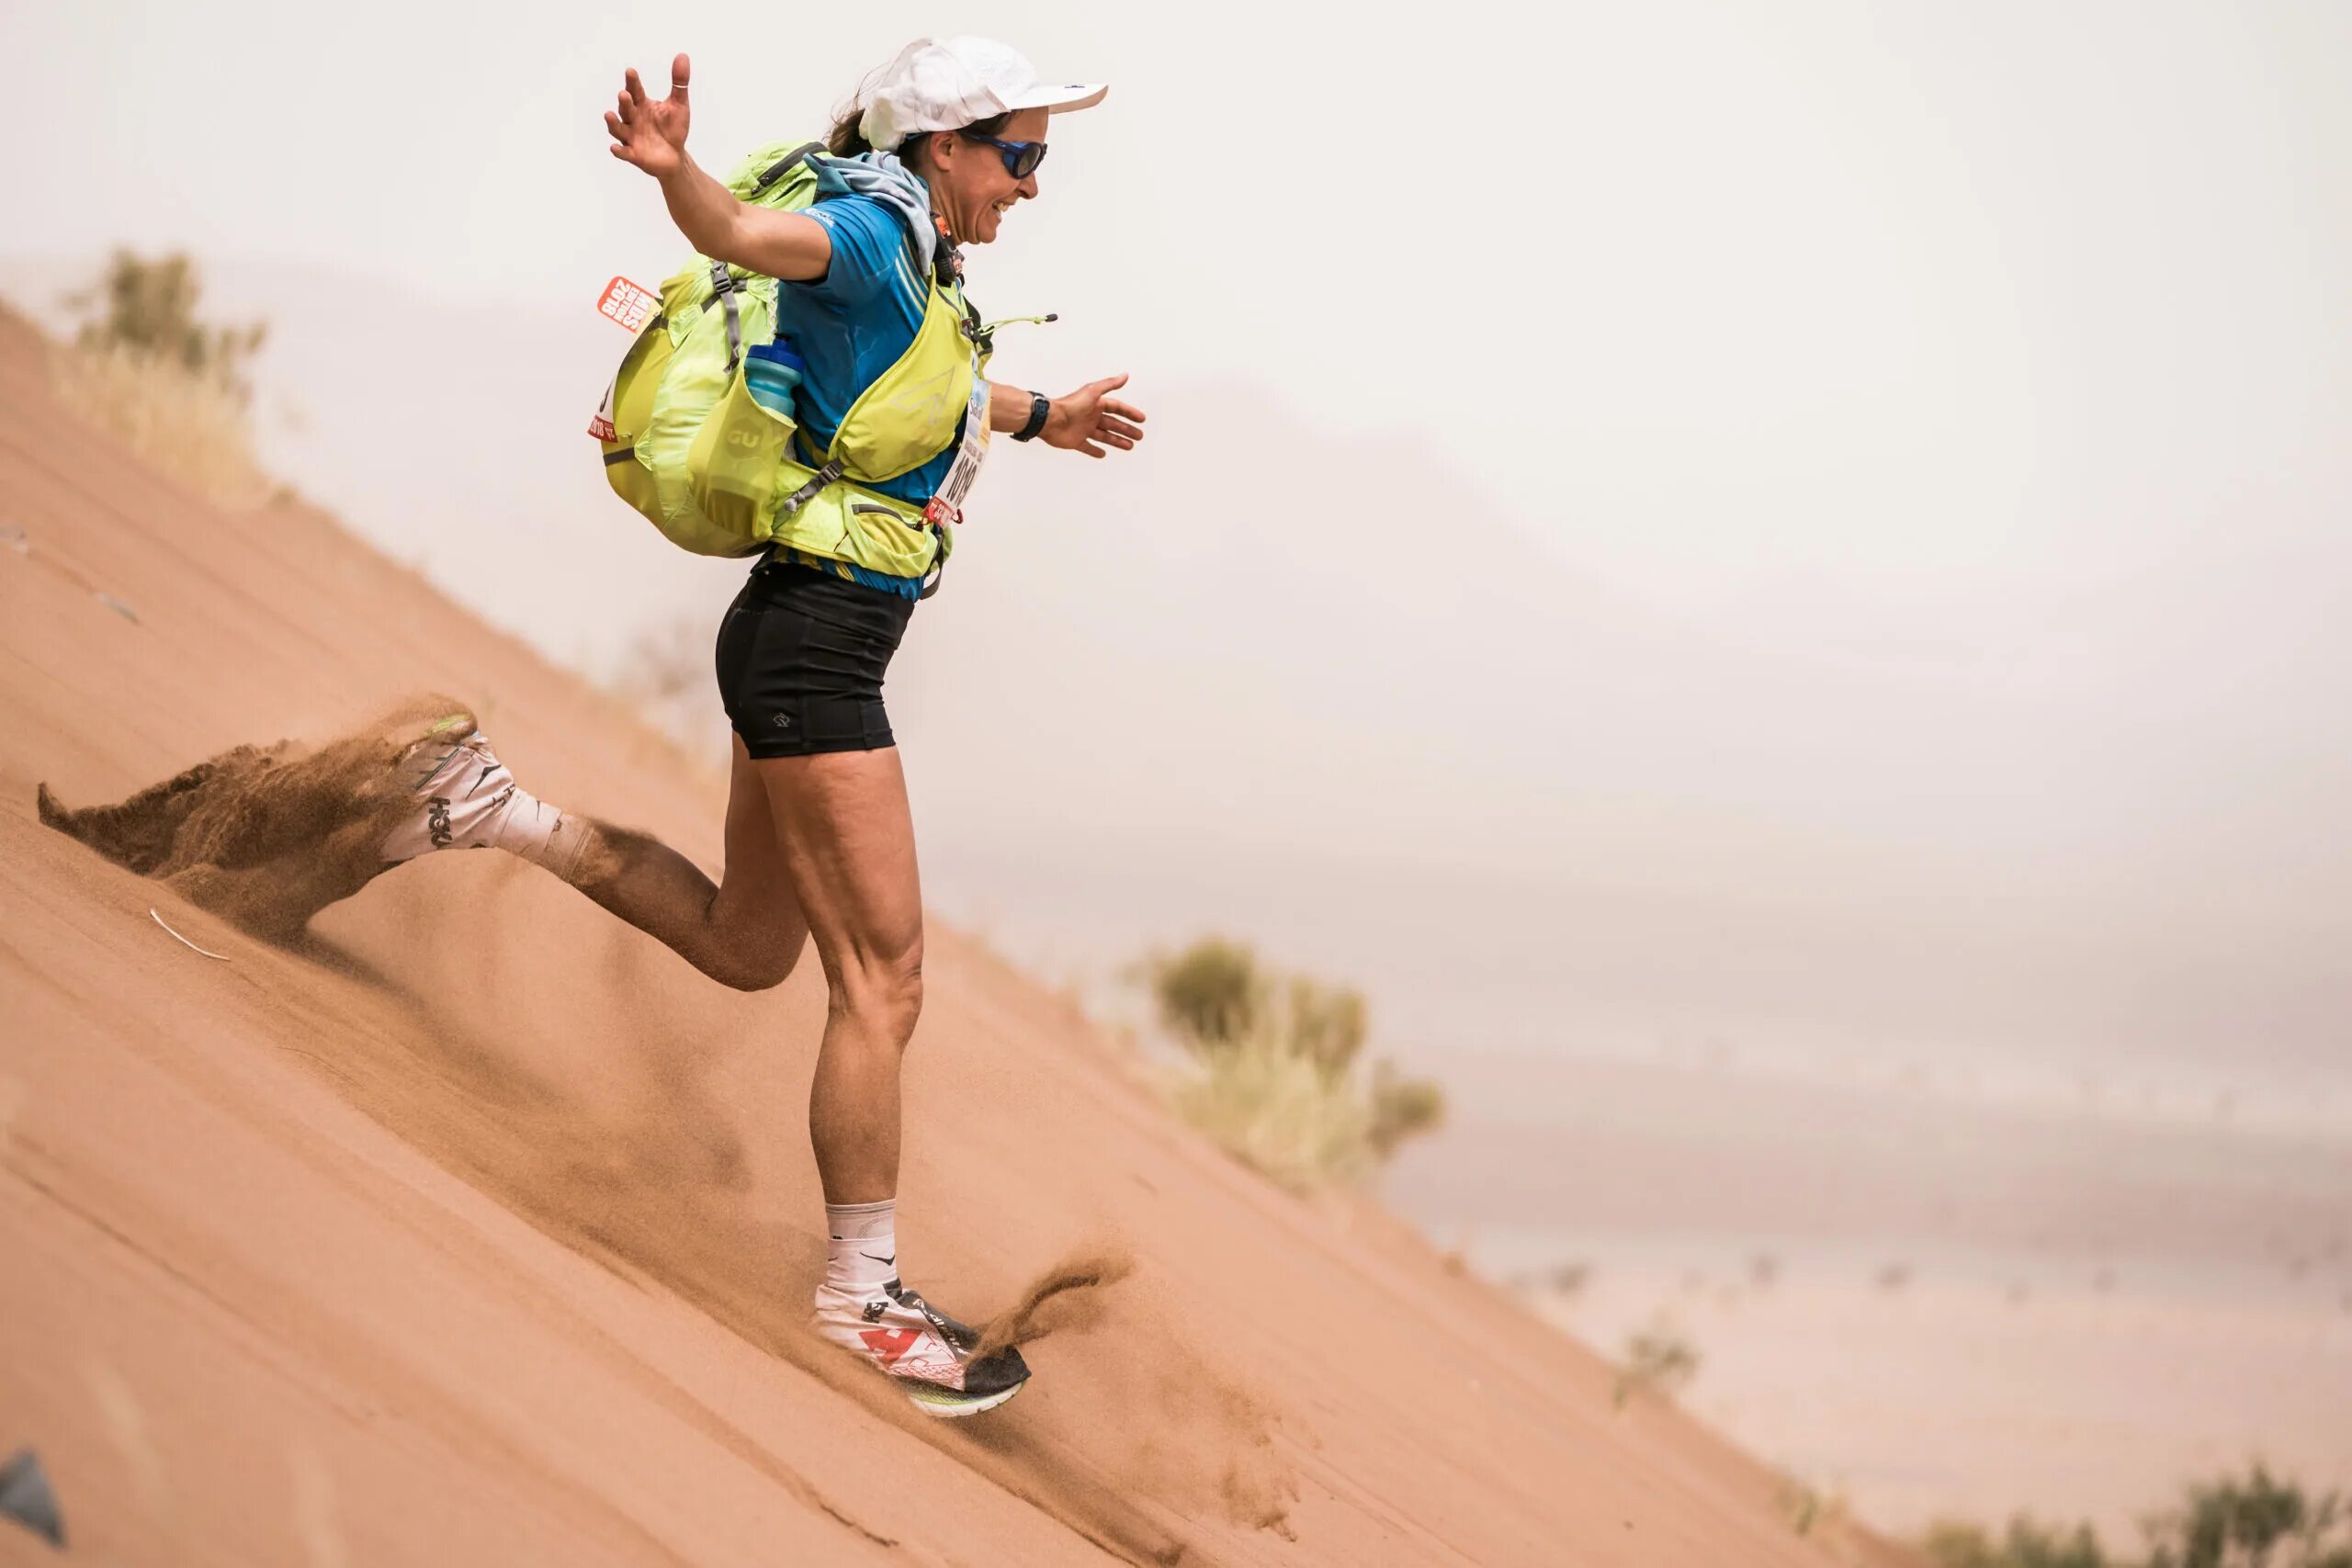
(947, 504)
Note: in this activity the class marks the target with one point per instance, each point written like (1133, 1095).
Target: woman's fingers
(635, 89)
(1121, 427)
(678, 70)
(1124, 411)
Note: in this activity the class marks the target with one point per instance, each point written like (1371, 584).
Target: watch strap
(1040, 407)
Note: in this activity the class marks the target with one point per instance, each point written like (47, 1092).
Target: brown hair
(847, 141)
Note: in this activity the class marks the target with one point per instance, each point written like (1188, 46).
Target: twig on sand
(183, 941)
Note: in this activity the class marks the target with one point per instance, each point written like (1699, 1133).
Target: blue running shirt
(852, 324)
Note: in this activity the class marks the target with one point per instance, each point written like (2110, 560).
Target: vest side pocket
(634, 386)
(739, 461)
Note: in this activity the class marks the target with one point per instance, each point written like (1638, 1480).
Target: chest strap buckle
(808, 492)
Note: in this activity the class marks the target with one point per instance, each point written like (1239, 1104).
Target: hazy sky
(1877, 301)
(1825, 490)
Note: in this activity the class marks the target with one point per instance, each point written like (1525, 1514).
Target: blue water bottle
(772, 371)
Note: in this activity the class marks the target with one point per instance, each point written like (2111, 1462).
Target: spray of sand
(1069, 1295)
(1164, 1421)
(266, 836)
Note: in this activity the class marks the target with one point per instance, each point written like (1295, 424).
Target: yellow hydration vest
(749, 470)
(720, 474)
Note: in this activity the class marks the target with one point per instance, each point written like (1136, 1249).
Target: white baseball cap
(947, 83)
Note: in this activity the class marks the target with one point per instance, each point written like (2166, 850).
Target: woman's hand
(651, 134)
(1091, 419)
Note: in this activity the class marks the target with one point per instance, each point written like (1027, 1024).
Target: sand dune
(473, 1227)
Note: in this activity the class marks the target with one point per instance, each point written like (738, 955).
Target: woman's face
(968, 183)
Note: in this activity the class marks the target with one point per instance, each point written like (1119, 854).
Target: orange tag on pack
(628, 303)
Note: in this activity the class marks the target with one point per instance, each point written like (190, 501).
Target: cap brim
(1061, 99)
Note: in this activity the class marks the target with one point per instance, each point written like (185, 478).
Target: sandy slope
(476, 1231)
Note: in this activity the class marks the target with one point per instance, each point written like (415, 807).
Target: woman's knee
(884, 990)
(757, 967)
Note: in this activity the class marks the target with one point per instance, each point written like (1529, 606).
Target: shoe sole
(950, 1407)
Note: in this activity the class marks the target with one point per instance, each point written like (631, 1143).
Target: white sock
(862, 1251)
(540, 833)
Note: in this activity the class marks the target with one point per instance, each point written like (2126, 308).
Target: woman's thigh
(848, 844)
(755, 895)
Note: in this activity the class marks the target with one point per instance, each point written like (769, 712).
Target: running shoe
(929, 1353)
(457, 795)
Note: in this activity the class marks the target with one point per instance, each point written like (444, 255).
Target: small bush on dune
(1209, 995)
(190, 428)
(1402, 1108)
(1275, 1062)
(2027, 1544)
(1659, 1358)
(1811, 1511)
(2250, 1521)
(148, 309)
(171, 387)
(1274, 1109)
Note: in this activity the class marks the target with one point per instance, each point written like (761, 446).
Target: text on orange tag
(628, 303)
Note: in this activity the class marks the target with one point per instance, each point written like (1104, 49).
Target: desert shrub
(170, 386)
(2251, 1521)
(1328, 1024)
(1808, 1509)
(1402, 1108)
(2026, 1544)
(147, 310)
(1209, 995)
(1275, 1065)
(1276, 1111)
(1659, 1358)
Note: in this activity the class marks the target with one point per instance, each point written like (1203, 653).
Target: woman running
(940, 146)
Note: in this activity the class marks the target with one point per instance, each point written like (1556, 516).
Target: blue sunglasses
(1020, 158)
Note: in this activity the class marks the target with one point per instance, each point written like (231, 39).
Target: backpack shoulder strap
(724, 285)
(784, 165)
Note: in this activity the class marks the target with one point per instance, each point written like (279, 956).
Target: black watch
(1040, 406)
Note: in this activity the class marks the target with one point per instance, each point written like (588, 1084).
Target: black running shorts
(801, 656)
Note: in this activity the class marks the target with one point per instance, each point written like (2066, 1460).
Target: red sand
(476, 1228)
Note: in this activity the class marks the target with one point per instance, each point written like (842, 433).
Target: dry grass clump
(147, 368)
(1276, 1075)
(1276, 1111)
(186, 423)
(1660, 1359)
(2254, 1520)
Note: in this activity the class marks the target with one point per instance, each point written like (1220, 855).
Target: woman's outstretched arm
(651, 134)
